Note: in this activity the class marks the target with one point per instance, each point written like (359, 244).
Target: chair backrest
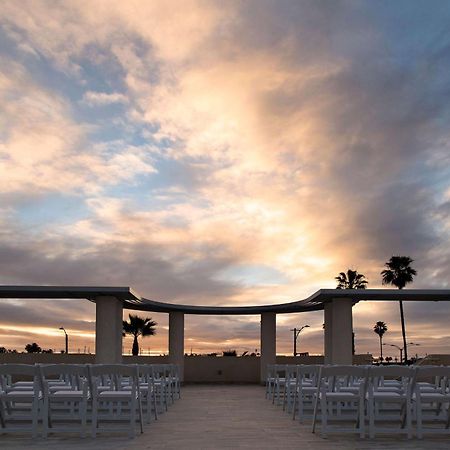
(390, 372)
(53, 370)
(280, 370)
(111, 375)
(73, 374)
(333, 378)
(400, 377)
(432, 371)
(290, 371)
(27, 370)
(343, 371)
(9, 372)
(439, 376)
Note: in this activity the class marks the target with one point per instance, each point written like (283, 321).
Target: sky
(223, 153)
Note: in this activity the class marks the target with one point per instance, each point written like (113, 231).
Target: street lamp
(296, 333)
(398, 348)
(67, 339)
(413, 343)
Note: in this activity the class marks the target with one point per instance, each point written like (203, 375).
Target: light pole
(67, 339)
(296, 333)
(413, 343)
(398, 348)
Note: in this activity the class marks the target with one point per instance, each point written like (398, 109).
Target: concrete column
(108, 330)
(176, 340)
(339, 338)
(268, 342)
(328, 324)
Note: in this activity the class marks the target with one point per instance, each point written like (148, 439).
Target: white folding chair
(339, 404)
(147, 390)
(161, 386)
(66, 397)
(431, 400)
(389, 400)
(20, 406)
(175, 379)
(270, 380)
(112, 403)
(289, 387)
(305, 391)
(279, 371)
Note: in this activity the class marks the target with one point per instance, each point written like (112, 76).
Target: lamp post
(413, 343)
(398, 348)
(67, 339)
(296, 333)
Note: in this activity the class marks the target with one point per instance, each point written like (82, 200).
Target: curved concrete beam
(131, 300)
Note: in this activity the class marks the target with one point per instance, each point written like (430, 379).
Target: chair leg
(316, 407)
(141, 420)
(371, 408)
(294, 404)
(46, 418)
(324, 415)
(132, 417)
(408, 418)
(34, 417)
(94, 418)
(419, 424)
(83, 413)
(154, 404)
(362, 425)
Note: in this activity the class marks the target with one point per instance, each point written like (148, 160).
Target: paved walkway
(223, 417)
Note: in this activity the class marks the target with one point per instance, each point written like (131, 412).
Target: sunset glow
(223, 153)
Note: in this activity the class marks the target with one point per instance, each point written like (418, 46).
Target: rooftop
(224, 417)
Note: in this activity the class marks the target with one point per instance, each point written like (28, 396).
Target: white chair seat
(114, 394)
(21, 394)
(386, 396)
(59, 388)
(66, 393)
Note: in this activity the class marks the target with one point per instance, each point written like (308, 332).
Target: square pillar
(108, 330)
(176, 341)
(268, 342)
(338, 331)
(328, 327)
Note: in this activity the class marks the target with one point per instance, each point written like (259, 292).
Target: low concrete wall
(197, 369)
(46, 358)
(225, 369)
(300, 359)
(73, 358)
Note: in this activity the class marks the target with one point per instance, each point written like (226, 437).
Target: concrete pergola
(110, 301)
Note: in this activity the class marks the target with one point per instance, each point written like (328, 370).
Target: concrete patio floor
(223, 417)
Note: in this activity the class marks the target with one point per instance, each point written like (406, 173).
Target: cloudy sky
(223, 153)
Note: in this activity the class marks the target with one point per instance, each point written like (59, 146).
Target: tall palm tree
(351, 280)
(137, 326)
(380, 328)
(399, 273)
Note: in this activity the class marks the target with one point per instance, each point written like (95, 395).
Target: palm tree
(380, 328)
(137, 326)
(399, 273)
(351, 280)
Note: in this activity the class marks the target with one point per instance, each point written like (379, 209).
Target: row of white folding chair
(384, 396)
(431, 400)
(275, 381)
(304, 392)
(20, 405)
(110, 401)
(84, 385)
(340, 395)
(78, 386)
(284, 382)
